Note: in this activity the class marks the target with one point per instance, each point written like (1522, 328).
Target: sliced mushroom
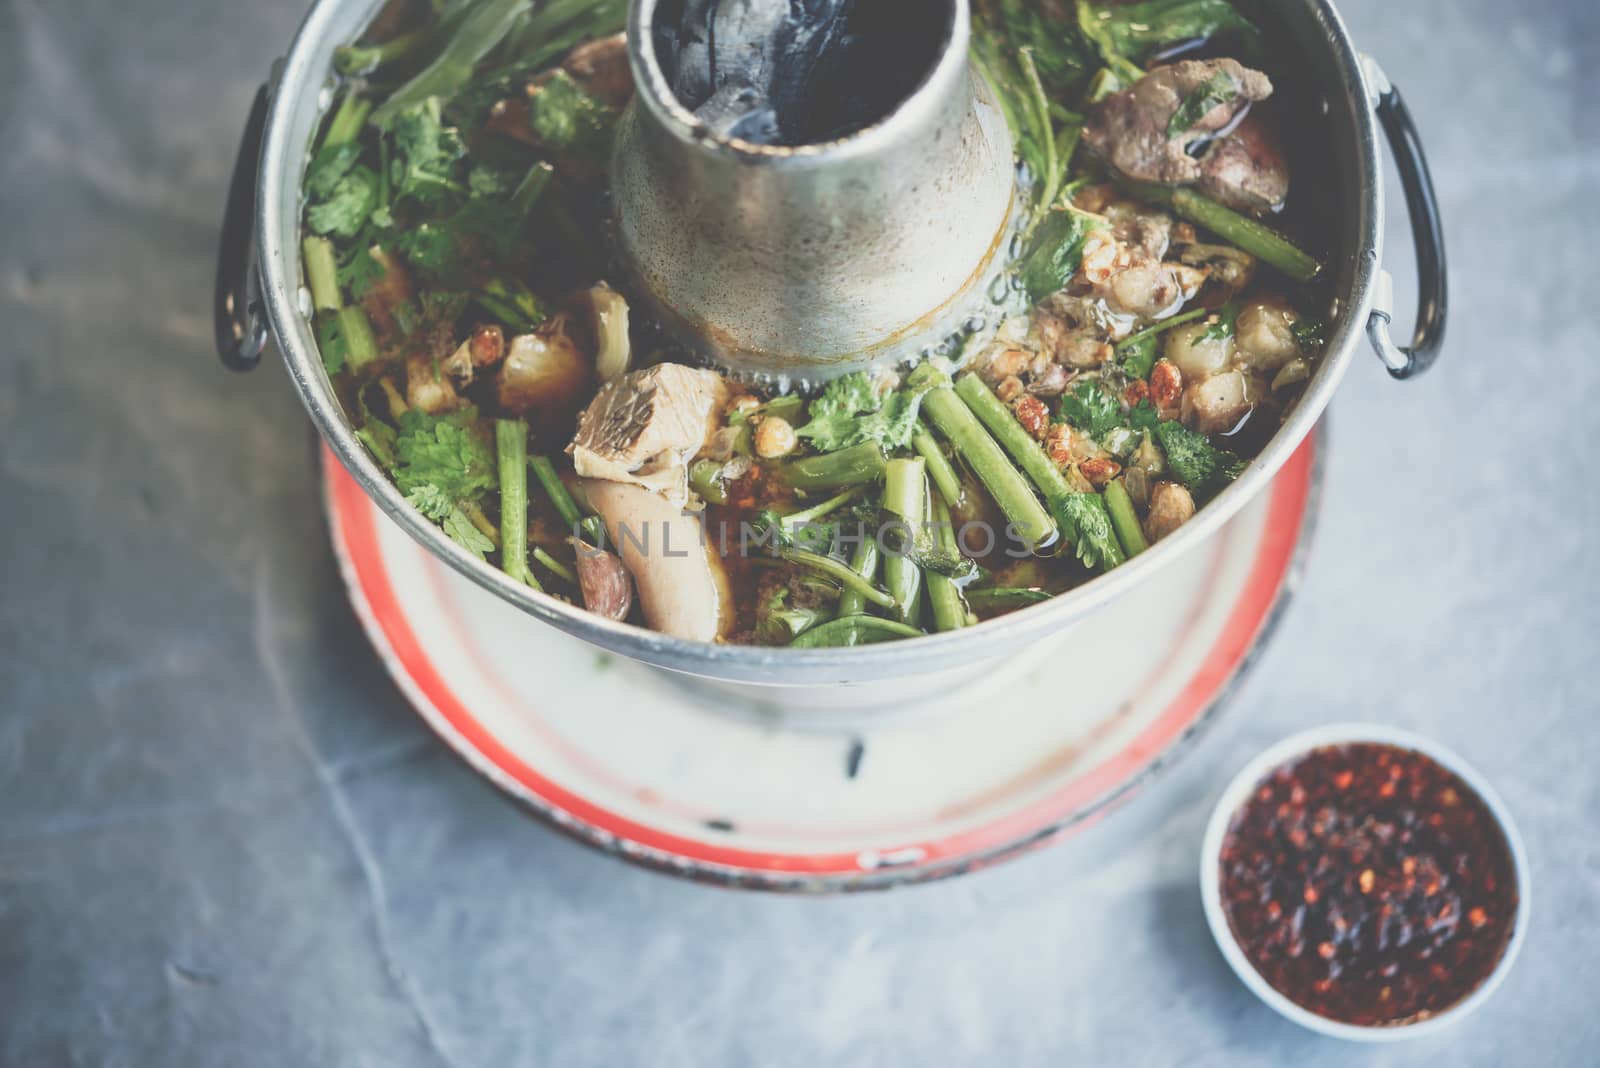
(683, 588)
(606, 585)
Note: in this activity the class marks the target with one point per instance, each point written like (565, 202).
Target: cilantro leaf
(361, 273)
(450, 453)
(1138, 355)
(1092, 407)
(438, 506)
(1222, 329)
(572, 123)
(430, 249)
(428, 150)
(484, 181)
(851, 411)
(1144, 416)
(346, 208)
(1057, 250)
(1310, 333)
(1087, 523)
(1218, 89)
(331, 163)
(1198, 464)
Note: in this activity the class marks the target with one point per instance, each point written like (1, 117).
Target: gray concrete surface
(224, 839)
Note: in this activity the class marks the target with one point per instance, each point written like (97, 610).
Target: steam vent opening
(796, 72)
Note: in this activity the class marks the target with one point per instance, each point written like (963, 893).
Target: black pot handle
(241, 324)
(1427, 234)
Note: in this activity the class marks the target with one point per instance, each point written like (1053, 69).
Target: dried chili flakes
(1369, 884)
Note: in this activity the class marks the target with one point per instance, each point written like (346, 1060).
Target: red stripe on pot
(354, 519)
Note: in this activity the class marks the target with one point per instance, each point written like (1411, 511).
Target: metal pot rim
(299, 97)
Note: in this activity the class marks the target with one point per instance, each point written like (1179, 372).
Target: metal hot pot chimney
(812, 261)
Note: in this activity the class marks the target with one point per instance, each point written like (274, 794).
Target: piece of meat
(1072, 331)
(1151, 289)
(601, 69)
(428, 389)
(1245, 170)
(1129, 130)
(605, 583)
(682, 585)
(1228, 270)
(643, 427)
(1134, 224)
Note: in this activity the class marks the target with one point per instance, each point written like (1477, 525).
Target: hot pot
(260, 289)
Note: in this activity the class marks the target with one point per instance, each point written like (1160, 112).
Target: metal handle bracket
(1427, 235)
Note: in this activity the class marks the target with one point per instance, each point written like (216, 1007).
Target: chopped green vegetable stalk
(322, 274)
(838, 571)
(410, 48)
(513, 303)
(864, 562)
(556, 490)
(820, 510)
(1256, 238)
(360, 346)
(553, 30)
(556, 567)
(591, 528)
(994, 414)
(940, 470)
(1124, 520)
(1138, 351)
(1087, 524)
(858, 465)
(1004, 598)
(344, 334)
(944, 596)
(853, 630)
(511, 447)
(346, 122)
(1081, 516)
(530, 189)
(1003, 481)
(486, 23)
(905, 497)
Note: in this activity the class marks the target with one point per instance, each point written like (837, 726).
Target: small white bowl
(1298, 745)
